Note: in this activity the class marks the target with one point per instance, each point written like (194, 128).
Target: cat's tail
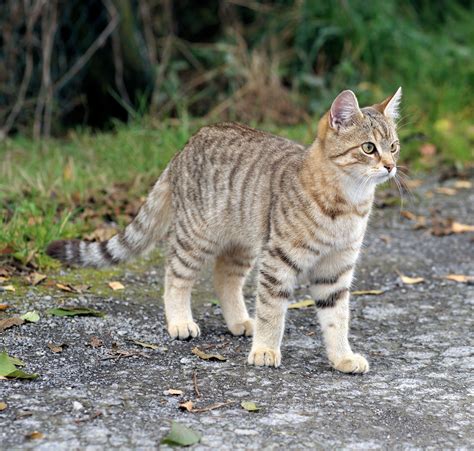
(141, 235)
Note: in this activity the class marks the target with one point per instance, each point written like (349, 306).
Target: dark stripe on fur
(330, 280)
(281, 255)
(332, 299)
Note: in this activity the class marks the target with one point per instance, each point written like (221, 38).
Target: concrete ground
(418, 339)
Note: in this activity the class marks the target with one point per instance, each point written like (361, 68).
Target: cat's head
(362, 142)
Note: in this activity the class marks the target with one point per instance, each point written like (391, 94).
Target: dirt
(418, 339)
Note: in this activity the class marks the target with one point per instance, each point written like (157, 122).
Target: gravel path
(418, 339)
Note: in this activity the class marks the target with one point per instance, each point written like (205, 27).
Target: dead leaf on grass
(461, 278)
(4, 279)
(367, 292)
(101, 234)
(116, 286)
(7, 250)
(80, 289)
(35, 278)
(173, 392)
(302, 304)
(10, 322)
(7, 288)
(3, 307)
(202, 355)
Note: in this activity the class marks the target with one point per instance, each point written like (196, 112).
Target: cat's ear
(343, 109)
(390, 107)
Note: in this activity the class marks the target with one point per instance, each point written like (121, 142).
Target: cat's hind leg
(230, 270)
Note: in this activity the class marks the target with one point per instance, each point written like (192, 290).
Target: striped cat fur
(239, 197)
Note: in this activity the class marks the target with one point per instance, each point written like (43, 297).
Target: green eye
(369, 148)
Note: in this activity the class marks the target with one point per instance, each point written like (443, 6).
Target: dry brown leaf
(446, 190)
(56, 348)
(462, 184)
(461, 278)
(302, 304)
(172, 391)
(35, 278)
(7, 250)
(411, 280)
(64, 287)
(35, 435)
(3, 307)
(68, 171)
(7, 288)
(202, 355)
(457, 227)
(188, 405)
(116, 286)
(95, 342)
(3, 405)
(72, 288)
(367, 292)
(101, 234)
(408, 215)
(10, 322)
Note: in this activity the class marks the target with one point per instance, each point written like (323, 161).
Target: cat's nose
(389, 167)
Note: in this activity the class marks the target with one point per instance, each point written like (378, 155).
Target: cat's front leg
(331, 294)
(276, 281)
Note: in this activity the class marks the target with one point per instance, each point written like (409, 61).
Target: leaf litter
(302, 304)
(74, 311)
(9, 370)
(181, 435)
(204, 356)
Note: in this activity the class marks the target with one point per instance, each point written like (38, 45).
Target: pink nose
(388, 167)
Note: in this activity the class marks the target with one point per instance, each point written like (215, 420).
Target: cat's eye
(394, 147)
(369, 148)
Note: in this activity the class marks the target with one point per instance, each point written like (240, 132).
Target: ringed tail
(141, 235)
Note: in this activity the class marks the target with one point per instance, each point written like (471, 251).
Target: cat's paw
(264, 357)
(352, 363)
(182, 331)
(244, 328)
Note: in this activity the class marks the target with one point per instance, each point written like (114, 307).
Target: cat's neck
(318, 173)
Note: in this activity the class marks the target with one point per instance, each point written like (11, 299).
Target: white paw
(264, 357)
(245, 328)
(185, 330)
(352, 363)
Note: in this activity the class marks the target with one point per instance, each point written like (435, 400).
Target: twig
(87, 55)
(25, 82)
(196, 388)
(212, 407)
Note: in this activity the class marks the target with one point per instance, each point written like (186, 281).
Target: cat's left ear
(390, 107)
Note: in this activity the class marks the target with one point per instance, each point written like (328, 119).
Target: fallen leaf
(408, 215)
(96, 342)
(3, 307)
(7, 250)
(411, 280)
(56, 348)
(10, 322)
(72, 288)
(116, 286)
(302, 304)
(172, 391)
(8, 368)
(181, 435)
(459, 278)
(367, 292)
(462, 184)
(35, 278)
(188, 405)
(35, 435)
(30, 317)
(4, 279)
(74, 311)
(446, 190)
(3, 405)
(202, 355)
(101, 234)
(145, 345)
(249, 406)
(7, 288)
(461, 228)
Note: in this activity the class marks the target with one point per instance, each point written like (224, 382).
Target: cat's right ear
(343, 109)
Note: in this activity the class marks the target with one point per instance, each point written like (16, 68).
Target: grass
(72, 186)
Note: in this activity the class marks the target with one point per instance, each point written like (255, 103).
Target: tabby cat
(240, 196)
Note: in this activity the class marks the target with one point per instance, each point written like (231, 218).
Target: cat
(237, 196)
